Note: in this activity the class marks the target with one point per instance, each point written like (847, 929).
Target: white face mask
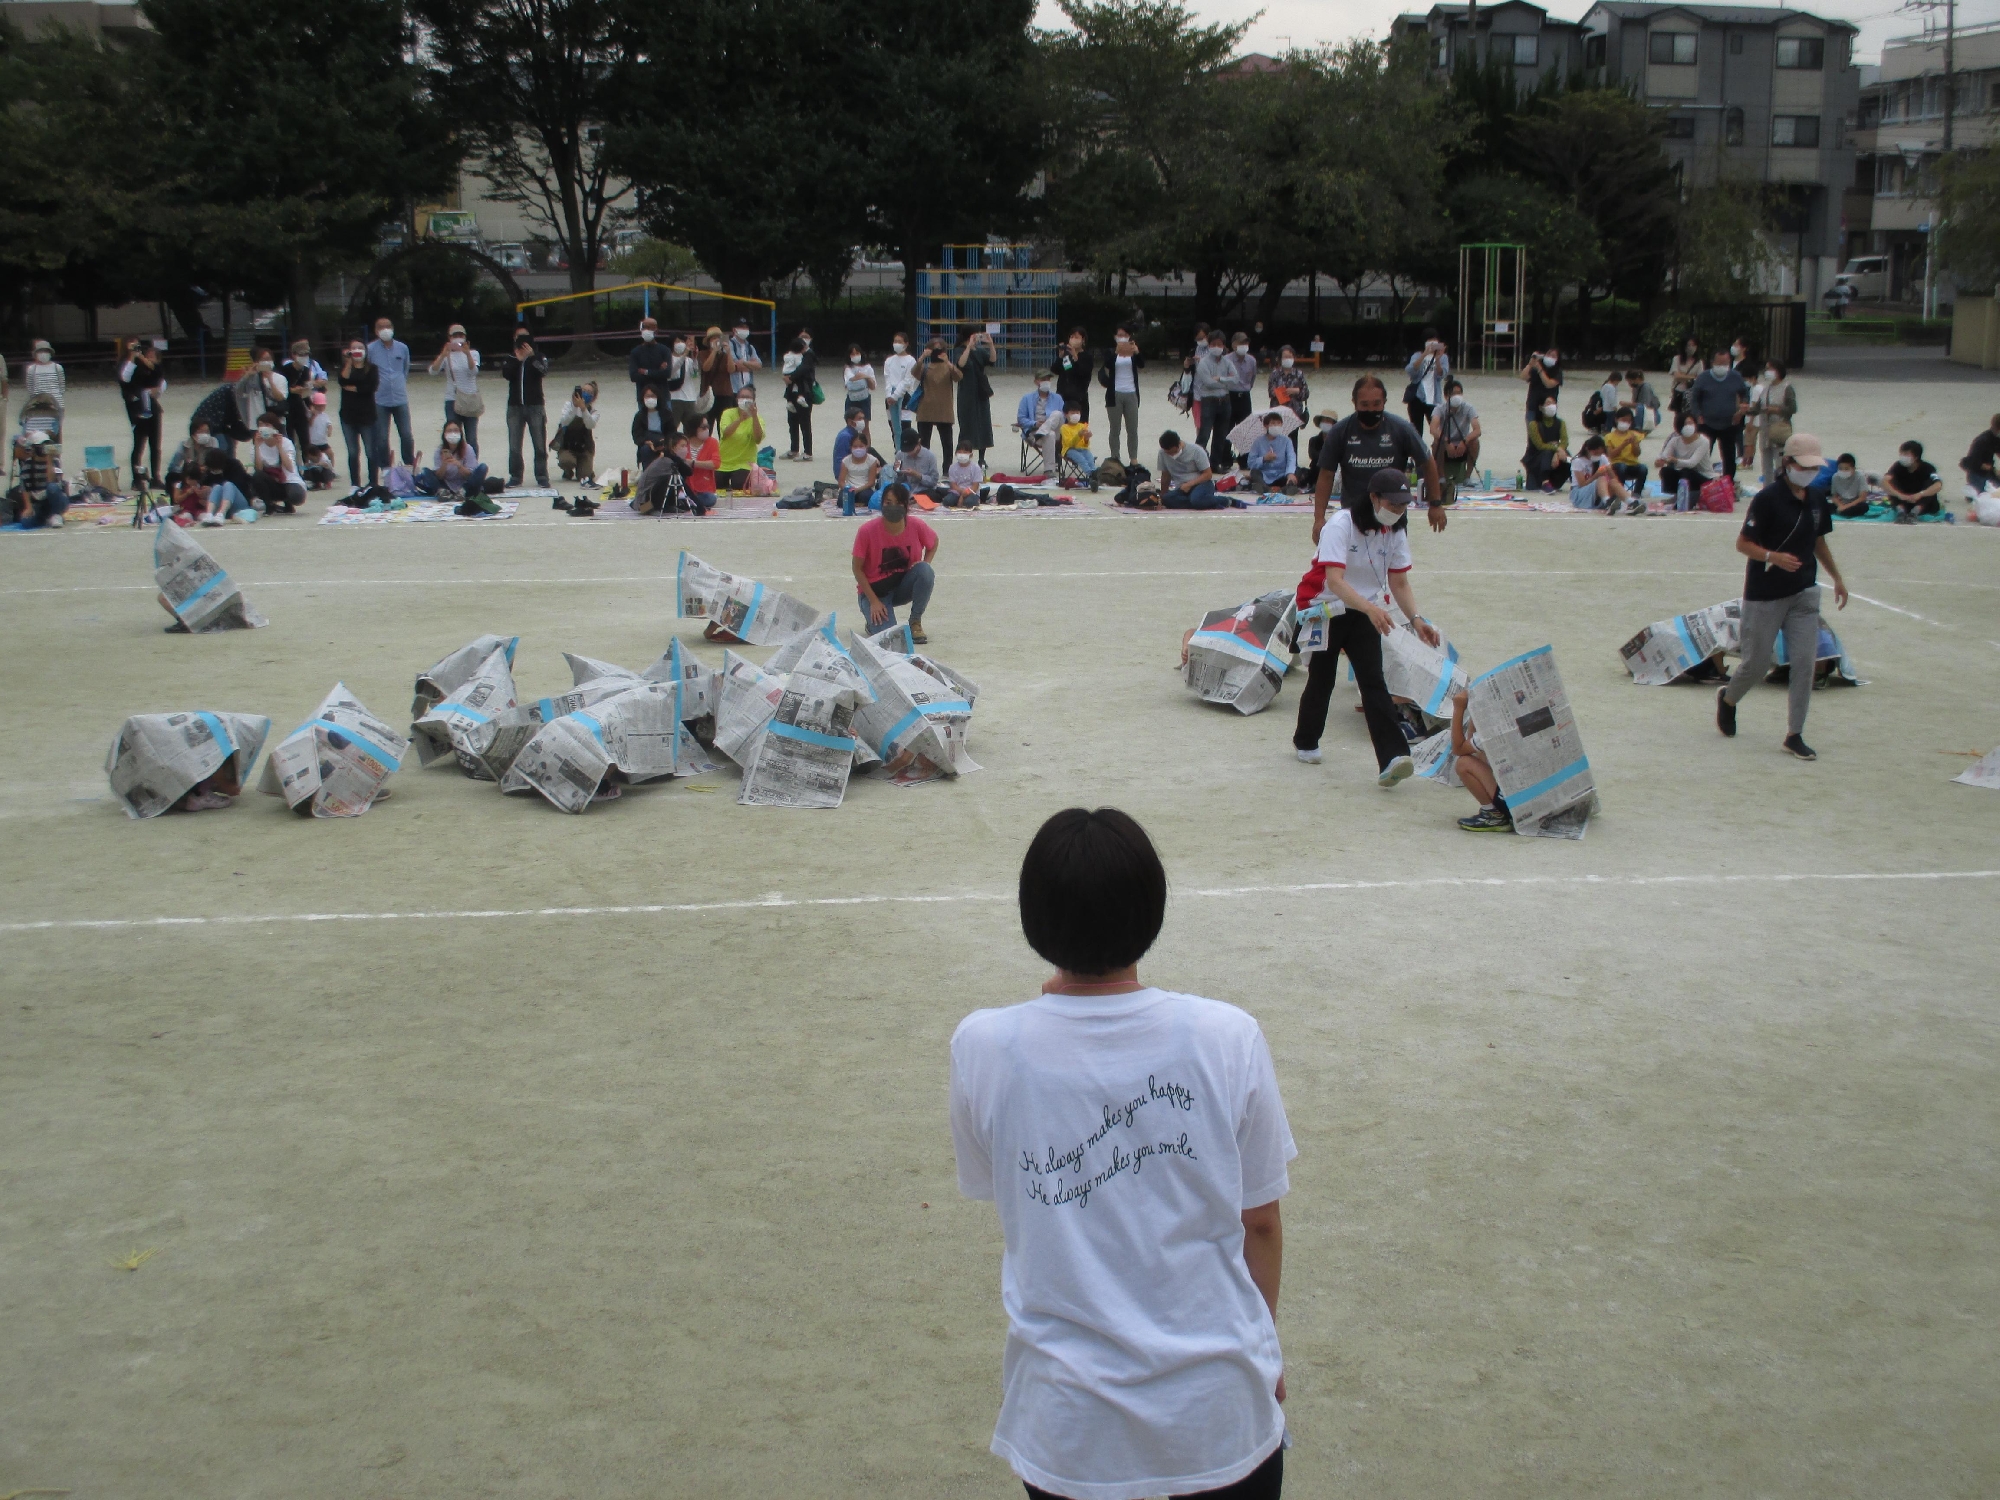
(1722, 367)
(1454, 401)
(651, 402)
(1771, 377)
(1548, 411)
(1287, 361)
(1800, 477)
(647, 334)
(386, 335)
(1326, 427)
(899, 346)
(854, 359)
(1687, 429)
(857, 428)
(1274, 433)
(1242, 348)
(1624, 426)
(741, 335)
(1043, 386)
(964, 459)
(680, 346)
(42, 356)
(1388, 518)
(451, 438)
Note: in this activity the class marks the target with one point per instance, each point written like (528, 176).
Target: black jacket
(357, 394)
(524, 377)
(1073, 372)
(1108, 371)
(647, 365)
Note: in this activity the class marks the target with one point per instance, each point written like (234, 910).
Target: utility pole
(1950, 83)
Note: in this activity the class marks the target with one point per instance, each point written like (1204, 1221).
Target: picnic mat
(1878, 511)
(415, 511)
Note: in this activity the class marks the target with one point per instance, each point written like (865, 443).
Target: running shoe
(1402, 768)
(1488, 820)
(1311, 757)
(1725, 713)
(1797, 746)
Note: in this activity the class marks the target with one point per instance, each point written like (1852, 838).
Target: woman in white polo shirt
(1135, 1145)
(1363, 560)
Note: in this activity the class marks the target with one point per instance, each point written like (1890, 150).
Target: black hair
(1362, 509)
(1093, 891)
(1778, 365)
(797, 346)
(1913, 446)
(1371, 378)
(1170, 439)
(1635, 374)
(1430, 335)
(1592, 444)
(911, 438)
(1454, 384)
(1848, 458)
(896, 494)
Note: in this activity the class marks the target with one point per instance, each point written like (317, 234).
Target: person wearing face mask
(646, 362)
(1361, 561)
(1621, 451)
(859, 380)
(142, 383)
(1212, 374)
(527, 409)
(1429, 369)
(1455, 436)
(1367, 441)
(853, 434)
(798, 401)
(1686, 455)
(684, 396)
(916, 466)
(898, 380)
(716, 387)
(357, 381)
(42, 376)
(1272, 460)
(1287, 383)
(652, 429)
(1640, 399)
(459, 363)
(1719, 398)
(1544, 377)
(1912, 485)
(1323, 426)
(1073, 366)
(740, 433)
(1784, 537)
(275, 481)
(938, 376)
(892, 558)
(975, 393)
(259, 389)
(1241, 380)
(1547, 455)
(1119, 375)
(456, 469)
(1039, 420)
(1776, 403)
(1847, 491)
(744, 362)
(303, 376)
(576, 434)
(963, 479)
(704, 461)
(391, 359)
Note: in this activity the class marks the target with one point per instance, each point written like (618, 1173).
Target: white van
(1869, 276)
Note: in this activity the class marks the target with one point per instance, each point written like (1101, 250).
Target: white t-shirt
(1122, 378)
(1121, 1137)
(896, 375)
(1583, 468)
(1368, 556)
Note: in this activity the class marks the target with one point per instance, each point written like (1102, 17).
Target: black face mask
(1370, 418)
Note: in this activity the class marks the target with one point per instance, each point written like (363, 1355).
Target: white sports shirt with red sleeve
(1370, 558)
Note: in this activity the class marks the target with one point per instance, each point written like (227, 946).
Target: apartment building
(1750, 93)
(1900, 139)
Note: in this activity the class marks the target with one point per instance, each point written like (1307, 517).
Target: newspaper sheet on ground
(1983, 772)
(478, 722)
(1240, 656)
(1664, 650)
(334, 764)
(920, 718)
(193, 587)
(1529, 736)
(745, 701)
(156, 759)
(742, 606)
(436, 683)
(807, 748)
(632, 735)
(1426, 675)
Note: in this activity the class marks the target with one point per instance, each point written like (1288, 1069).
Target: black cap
(1389, 484)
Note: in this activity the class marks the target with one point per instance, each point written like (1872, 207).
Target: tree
(1968, 242)
(532, 87)
(1722, 243)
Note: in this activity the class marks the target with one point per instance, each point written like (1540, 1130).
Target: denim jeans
(914, 589)
(531, 421)
(52, 502)
(430, 482)
(228, 499)
(360, 440)
(1200, 497)
(1213, 434)
(470, 424)
(402, 415)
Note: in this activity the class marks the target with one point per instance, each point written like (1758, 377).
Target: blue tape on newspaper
(459, 710)
(221, 737)
(1435, 706)
(1687, 640)
(1277, 663)
(749, 619)
(1548, 783)
(389, 761)
(218, 578)
(902, 725)
(680, 593)
(596, 729)
(811, 737)
(1515, 661)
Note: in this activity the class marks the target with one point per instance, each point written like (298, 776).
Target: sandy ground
(1657, 1165)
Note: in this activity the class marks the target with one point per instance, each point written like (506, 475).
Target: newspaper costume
(437, 683)
(334, 764)
(1665, 650)
(920, 718)
(742, 606)
(480, 723)
(1983, 772)
(633, 729)
(1529, 737)
(1240, 656)
(193, 587)
(791, 731)
(156, 759)
(1426, 675)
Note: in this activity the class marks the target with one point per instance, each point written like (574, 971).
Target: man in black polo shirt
(1784, 536)
(1366, 442)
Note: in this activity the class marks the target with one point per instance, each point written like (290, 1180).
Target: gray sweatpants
(1798, 617)
(1121, 409)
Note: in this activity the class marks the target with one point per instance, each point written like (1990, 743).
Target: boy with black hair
(1135, 1145)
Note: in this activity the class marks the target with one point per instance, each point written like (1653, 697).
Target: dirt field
(487, 1151)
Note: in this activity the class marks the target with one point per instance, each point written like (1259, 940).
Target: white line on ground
(1897, 609)
(778, 901)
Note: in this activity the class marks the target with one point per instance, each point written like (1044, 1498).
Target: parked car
(1869, 276)
(512, 255)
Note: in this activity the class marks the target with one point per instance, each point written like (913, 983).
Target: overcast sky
(1304, 23)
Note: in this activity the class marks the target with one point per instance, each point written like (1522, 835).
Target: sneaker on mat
(1488, 820)
(1402, 768)
(1311, 757)
(1796, 745)
(1725, 713)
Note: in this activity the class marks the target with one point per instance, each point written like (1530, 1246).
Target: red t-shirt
(884, 556)
(704, 479)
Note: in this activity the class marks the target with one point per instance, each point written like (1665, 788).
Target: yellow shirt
(1622, 447)
(1075, 435)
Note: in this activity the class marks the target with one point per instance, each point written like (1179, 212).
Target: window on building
(1795, 130)
(1527, 51)
(1808, 52)
(1670, 47)
(1735, 44)
(1680, 128)
(1995, 105)
(1593, 51)
(1732, 127)
(1442, 58)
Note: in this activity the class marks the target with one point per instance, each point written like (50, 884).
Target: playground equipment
(1492, 301)
(679, 314)
(991, 286)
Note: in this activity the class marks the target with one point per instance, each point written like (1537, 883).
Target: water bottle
(1520, 480)
(1486, 481)
(1681, 495)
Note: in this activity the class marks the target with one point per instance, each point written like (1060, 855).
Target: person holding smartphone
(459, 362)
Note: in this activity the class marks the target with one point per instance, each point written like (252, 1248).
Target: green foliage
(1968, 241)
(1723, 244)
(656, 260)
